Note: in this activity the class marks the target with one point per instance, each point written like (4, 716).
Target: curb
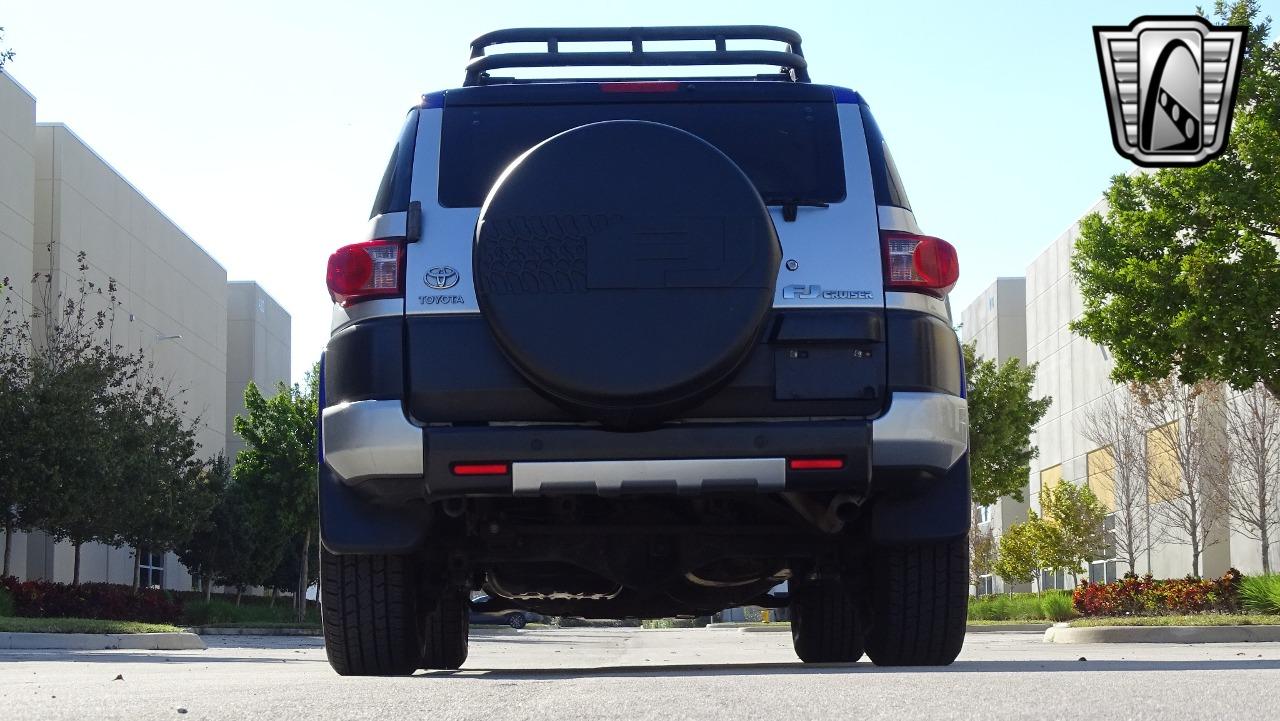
(102, 641)
(771, 628)
(248, 631)
(1162, 634)
(1010, 628)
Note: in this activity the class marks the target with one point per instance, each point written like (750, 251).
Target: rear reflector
(815, 464)
(362, 271)
(918, 263)
(481, 469)
(641, 87)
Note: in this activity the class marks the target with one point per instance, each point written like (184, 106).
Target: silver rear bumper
(368, 439)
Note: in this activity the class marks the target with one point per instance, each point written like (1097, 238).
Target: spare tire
(625, 269)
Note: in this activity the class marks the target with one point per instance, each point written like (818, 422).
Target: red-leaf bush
(108, 601)
(1145, 596)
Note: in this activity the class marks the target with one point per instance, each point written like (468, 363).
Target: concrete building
(996, 324)
(257, 349)
(1075, 373)
(59, 198)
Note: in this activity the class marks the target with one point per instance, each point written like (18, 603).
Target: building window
(1050, 580)
(984, 514)
(150, 569)
(986, 585)
(1102, 572)
(1100, 468)
(1050, 477)
(1164, 477)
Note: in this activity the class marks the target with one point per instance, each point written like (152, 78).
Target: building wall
(258, 332)
(17, 193)
(1075, 372)
(995, 323)
(59, 198)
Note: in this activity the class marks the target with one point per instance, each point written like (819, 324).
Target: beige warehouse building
(59, 198)
(1075, 372)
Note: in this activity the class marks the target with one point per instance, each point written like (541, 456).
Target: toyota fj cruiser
(642, 347)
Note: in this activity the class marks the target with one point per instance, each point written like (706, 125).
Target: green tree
(15, 367)
(278, 469)
(1018, 558)
(168, 490)
(211, 548)
(1071, 531)
(983, 552)
(1182, 273)
(6, 54)
(1002, 414)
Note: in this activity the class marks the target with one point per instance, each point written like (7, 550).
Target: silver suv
(642, 347)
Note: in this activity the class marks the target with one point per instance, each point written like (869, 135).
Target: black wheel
(824, 623)
(368, 607)
(919, 599)
(516, 620)
(445, 628)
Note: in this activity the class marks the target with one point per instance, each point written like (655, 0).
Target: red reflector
(481, 469)
(663, 86)
(815, 464)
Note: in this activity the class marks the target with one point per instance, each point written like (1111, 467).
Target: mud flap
(940, 513)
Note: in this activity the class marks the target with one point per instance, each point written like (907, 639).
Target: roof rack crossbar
(791, 62)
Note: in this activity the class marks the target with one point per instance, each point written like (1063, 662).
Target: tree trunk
(239, 593)
(274, 592)
(75, 573)
(208, 587)
(303, 576)
(137, 567)
(1266, 552)
(8, 545)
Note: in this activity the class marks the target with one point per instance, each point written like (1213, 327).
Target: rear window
(884, 174)
(790, 151)
(393, 191)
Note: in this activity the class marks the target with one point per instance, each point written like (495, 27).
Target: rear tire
(824, 623)
(445, 629)
(918, 604)
(367, 605)
(516, 620)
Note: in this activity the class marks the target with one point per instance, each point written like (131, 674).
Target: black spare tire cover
(625, 268)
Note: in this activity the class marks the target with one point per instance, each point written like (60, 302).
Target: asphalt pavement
(633, 674)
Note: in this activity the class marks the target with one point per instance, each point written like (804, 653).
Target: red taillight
(365, 270)
(918, 262)
(661, 86)
(815, 464)
(481, 469)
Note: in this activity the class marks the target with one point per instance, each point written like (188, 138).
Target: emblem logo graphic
(1170, 84)
(441, 277)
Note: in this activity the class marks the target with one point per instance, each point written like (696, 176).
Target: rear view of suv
(642, 347)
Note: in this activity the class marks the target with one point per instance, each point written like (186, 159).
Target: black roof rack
(792, 62)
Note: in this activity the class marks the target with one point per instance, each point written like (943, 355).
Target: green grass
(1204, 619)
(1003, 623)
(222, 612)
(13, 624)
(261, 624)
(1016, 607)
(1261, 594)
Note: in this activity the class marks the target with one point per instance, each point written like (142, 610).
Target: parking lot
(639, 674)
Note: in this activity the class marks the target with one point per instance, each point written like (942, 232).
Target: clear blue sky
(262, 128)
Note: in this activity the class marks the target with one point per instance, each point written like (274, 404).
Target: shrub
(107, 601)
(1145, 596)
(1005, 607)
(1057, 606)
(220, 610)
(1261, 594)
(6, 602)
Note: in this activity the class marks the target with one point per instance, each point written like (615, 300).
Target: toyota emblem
(441, 277)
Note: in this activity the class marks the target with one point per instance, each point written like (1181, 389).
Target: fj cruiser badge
(812, 292)
(441, 277)
(1170, 84)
